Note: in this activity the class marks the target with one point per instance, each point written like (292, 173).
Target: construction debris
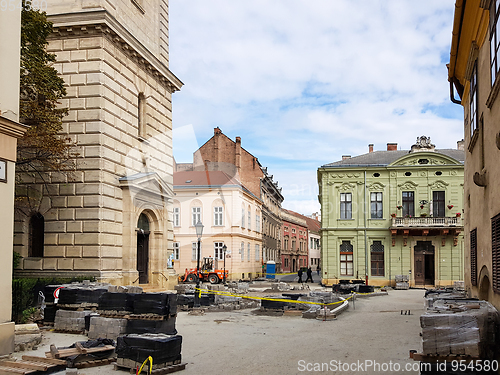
(30, 364)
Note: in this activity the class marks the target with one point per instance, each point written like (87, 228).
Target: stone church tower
(111, 218)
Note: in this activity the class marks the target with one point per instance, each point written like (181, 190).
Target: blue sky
(305, 82)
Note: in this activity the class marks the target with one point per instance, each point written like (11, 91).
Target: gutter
(455, 43)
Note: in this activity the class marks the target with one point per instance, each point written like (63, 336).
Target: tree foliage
(41, 149)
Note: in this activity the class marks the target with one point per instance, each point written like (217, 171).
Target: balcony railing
(420, 222)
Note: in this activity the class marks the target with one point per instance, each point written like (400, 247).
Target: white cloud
(303, 82)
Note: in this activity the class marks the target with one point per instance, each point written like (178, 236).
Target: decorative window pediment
(346, 186)
(376, 186)
(408, 185)
(439, 184)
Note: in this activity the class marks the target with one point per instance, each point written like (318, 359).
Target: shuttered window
(473, 257)
(346, 259)
(495, 252)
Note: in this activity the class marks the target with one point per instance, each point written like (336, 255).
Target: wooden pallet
(160, 371)
(64, 353)
(146, 317)
(94, 363)
(69, 331)
(30, 364)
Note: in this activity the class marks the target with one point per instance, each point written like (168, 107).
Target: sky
(305, 82)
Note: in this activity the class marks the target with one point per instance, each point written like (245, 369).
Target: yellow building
(473, 75)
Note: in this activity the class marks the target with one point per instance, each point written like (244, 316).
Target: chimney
(344, 157)
(238, 154)
(370, 147)
(392, 147)
(217, 131)
(460, 145)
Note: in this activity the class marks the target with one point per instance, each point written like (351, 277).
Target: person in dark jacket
(300, 275)
(309, 275)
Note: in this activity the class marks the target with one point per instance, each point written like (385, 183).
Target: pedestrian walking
(318, 269)
(309, 275)
(300, 275)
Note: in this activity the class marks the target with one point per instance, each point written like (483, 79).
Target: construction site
(263, 326)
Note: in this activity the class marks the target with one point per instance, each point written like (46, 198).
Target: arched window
(377, 258)
(36, 235)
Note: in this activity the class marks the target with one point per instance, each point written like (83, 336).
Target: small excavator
(208, 272)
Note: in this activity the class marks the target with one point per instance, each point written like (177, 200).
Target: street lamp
(224, 249)
(199, 232)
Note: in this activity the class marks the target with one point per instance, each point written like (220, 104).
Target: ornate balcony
(426, 222)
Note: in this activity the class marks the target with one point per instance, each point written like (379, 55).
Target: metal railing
(427, 222)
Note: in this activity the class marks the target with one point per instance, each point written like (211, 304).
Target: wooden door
(419, 268)
(143, 257)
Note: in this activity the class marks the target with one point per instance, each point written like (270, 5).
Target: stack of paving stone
(402, 282)
(106, 328)
(133, 350)
(70, 321)
(459, 327)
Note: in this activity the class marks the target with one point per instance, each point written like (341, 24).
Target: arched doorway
(293, 265)
(36, 235)
(143, 249)
(424, 263)
(484, 288)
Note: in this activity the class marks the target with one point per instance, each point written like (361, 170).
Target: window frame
(218, 216)
(243, 213)
(407, 203)
(177, 250)
(218, 250)
(439, 203)
(377, 205)
(257, 252)
(177, 216)
(194, 251)
(242, 251)
(473, 104)
(377, 258)
(494, 41)
(249, 252)
(345, 206)
(36, 236)
(195, 216)
(346, 258)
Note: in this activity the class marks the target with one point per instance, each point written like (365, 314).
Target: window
(242, 251)
(218, 252)
(293, 245)
(194, 251)
(346, 260)
(218, 216)
(438, 205)
(408, 203)
(248, 251)
(177, 217)
(286, 243)
(473, 257)
(141, 115)
(177, 250)
(196, 213)
(495, 252)
(36, 236)
(473, 101)
(243, 218)
(257, 223)
(494, 40)
(376, 205)
(249, 220)
(311, 243)
(345, 205)
(377, 258)
(257, 252)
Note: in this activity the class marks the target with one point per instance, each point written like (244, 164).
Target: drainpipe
(366, 243)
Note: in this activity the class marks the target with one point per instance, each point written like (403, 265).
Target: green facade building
(394, 212)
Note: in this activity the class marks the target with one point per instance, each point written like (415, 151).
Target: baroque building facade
(473, 74)
(220, 153)
(231, 216)
(111, 218)
(394, 212)
(295, 241)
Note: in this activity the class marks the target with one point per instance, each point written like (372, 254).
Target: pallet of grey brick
(73, 321)
(162, 348)
(459, 328)
(139, 326)
(155, 303)
(402, 278)
(402, 286)
(107, 328)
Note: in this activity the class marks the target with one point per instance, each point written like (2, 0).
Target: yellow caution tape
(228, 294)
(150, 359)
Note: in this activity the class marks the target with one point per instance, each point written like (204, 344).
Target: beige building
(474, 71)
(231, 215)
(10, 131)
(110, 219)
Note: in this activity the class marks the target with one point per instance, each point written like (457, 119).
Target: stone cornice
(101, 22)
(12, 128)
